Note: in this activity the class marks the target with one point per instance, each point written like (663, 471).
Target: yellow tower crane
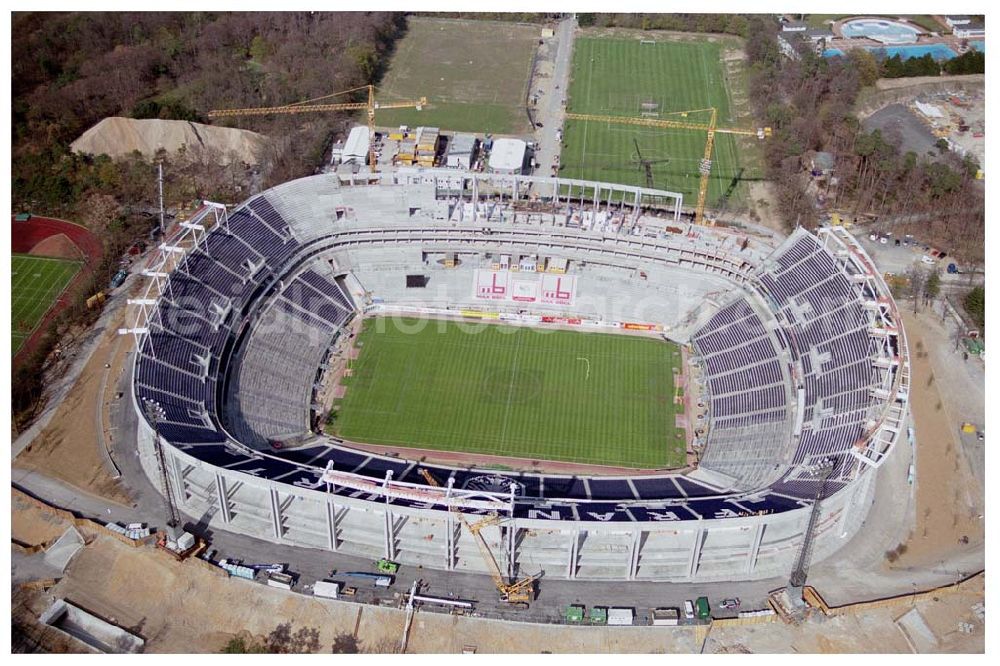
(518, 593)
(309, 105)
(705, 166)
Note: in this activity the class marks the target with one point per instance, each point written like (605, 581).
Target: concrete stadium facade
(386, 225)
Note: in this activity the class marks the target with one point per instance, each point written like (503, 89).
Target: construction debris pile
(118, 137)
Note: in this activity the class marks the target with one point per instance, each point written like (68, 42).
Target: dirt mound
(117, 137)
(58, 246)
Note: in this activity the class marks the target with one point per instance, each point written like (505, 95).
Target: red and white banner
(524, 287)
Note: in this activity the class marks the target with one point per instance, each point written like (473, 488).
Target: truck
(387, 566)
(702, 608)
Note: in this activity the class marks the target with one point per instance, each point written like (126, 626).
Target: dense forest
(809, 102)
(71, 70)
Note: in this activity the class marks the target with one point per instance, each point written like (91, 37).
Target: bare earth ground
(187, 607)
(913, 81)
(30, 525)
(872, 631)
(58, 246)
(948, 496)
(191, 607)
(70, 446)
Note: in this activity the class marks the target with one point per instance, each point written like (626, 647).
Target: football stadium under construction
(796, 364)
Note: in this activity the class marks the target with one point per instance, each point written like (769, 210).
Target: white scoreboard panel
(524, 288)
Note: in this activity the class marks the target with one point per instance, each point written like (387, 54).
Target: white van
(688, 610)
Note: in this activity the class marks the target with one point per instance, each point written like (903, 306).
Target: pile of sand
(117, 137)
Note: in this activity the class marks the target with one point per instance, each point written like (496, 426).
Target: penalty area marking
(587, 361)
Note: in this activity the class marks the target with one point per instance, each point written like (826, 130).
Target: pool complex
(936, 51)
(880, 30)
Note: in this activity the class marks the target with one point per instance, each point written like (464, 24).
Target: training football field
(511, 391)
(626, 77)
(35, 284)
(473, 73)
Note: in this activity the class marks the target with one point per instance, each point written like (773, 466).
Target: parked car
(688, 610)
(729, 604)
(118, 279)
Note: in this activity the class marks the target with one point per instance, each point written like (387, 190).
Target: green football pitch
(626, 77)
(35, 284)
(510, 391)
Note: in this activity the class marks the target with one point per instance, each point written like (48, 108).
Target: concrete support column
(449, 542)
(699, 537)
(860, 490)
(390, 535)
(758, 536)
(176, 470)
(574, 547)
(223, 494)
(331, 524)
(275, 514)
(511, 539)
(633, 566)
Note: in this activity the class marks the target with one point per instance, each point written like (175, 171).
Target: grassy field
(35, 284)
(613, 76)
(501, 390)
(473, 73)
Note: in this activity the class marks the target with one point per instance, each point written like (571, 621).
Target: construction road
(551, 90)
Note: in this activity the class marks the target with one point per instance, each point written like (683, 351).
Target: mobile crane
(516, 593)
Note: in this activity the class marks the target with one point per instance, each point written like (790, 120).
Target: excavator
(517, 593)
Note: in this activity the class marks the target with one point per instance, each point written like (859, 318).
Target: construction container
(621, 617)
(327, 589)
(238, 570)
(598, 615)
(704, 610)
(284, 581)
(575, 614)
(666, 617)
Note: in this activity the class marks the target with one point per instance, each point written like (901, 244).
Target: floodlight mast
(154, 413)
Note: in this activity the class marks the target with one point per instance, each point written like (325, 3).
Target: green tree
(975, 305)
(242, 645)
(259, 48)
(866, 65)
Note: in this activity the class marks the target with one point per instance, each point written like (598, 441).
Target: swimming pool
(880, 30)
(979, 46)
(936, 51)
(830, 53)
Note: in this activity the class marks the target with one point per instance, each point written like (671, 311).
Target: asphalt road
(550, 110)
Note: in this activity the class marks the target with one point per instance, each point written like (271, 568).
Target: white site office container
(324, 588)
(620, 616)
